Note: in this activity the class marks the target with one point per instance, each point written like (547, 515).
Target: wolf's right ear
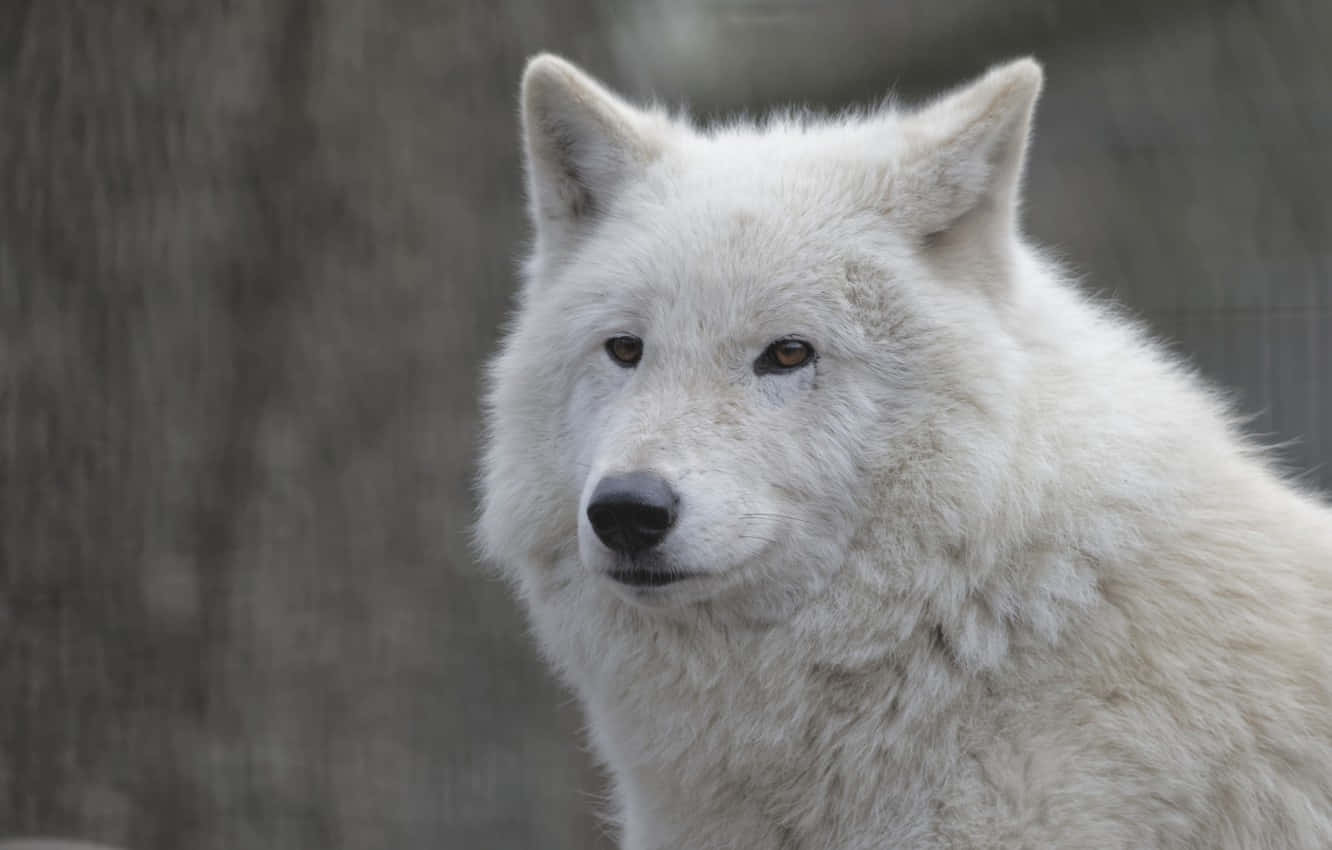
(962, 164)
(582, 143)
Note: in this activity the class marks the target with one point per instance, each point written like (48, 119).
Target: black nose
(631, 513)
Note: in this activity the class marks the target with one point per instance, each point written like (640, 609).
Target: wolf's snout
(632, 513)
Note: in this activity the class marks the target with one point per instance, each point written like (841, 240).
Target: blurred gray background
(253, 253)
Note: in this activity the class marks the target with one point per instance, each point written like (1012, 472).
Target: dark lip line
(642, 578)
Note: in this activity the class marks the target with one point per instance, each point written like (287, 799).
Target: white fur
(995, 571)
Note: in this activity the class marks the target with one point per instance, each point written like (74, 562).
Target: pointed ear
(582, 143)
(961, 166)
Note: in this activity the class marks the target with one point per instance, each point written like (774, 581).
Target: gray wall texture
(253, 253)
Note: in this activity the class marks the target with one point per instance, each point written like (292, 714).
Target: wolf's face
(714, 392)
(726, 340)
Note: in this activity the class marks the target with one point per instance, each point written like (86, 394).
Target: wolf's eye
(625, 350)
(783, 356)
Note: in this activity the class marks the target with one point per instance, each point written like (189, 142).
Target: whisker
(777, 516)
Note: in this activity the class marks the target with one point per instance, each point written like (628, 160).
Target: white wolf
(853, 525)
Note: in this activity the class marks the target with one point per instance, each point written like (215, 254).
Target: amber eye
(784, 355)
(625, 350)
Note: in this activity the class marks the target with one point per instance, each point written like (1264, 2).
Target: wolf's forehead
(741, 242)
(729, 274)
(738, 223)
(738, 245)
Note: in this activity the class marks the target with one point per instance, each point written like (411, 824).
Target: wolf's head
(742, 352)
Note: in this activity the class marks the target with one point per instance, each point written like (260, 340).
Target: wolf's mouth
(639, 577)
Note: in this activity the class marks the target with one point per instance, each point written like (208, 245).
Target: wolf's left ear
(962, 161)
(582, 143)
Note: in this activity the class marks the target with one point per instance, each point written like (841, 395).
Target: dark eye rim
(616, 359)
(768, 364)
